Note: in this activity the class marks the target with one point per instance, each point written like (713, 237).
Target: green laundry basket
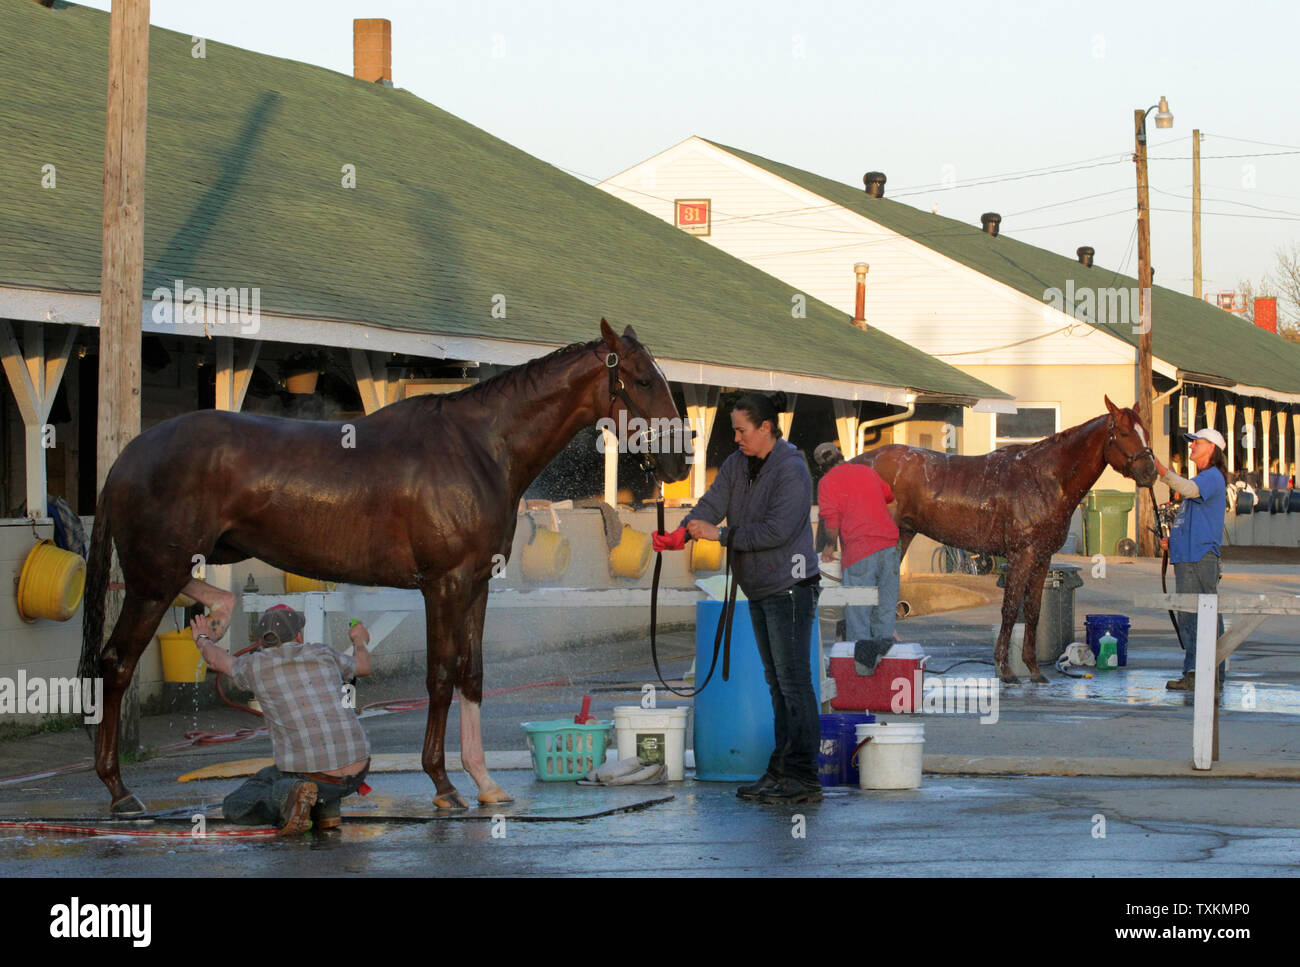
(564, 751)
(1105, 520)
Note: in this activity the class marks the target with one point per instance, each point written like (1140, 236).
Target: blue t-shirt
(1198, 528)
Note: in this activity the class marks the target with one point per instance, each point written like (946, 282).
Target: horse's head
(1128, 449)
(652, 427)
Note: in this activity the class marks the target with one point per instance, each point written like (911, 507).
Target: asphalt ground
(955, 825)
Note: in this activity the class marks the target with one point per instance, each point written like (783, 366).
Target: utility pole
(1196, 213)
(1145, 387)
(122, 276)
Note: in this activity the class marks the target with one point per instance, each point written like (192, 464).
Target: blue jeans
(872, 621)
(259, 800)
(783, 630)
(1198, 577)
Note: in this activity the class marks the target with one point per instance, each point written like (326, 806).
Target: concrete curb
(1015, 765)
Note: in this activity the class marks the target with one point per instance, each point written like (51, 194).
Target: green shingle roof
(243, 188)
(1187, 332)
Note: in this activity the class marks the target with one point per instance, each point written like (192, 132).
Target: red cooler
(894, 687)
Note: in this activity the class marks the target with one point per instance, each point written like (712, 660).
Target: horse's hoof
(450, 800)
(494, 794)
(128, 805)
(1041, 679)
(1010, 679)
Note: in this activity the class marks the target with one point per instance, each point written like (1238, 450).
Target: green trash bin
(1105, 520)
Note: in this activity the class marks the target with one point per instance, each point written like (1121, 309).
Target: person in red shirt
(852, 504)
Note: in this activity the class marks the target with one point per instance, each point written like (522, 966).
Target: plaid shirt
(300, 688)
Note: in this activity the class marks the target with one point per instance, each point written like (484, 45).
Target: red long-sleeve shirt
(851, 498)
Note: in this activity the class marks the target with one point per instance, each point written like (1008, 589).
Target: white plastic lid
(842, 649)
(906, 650)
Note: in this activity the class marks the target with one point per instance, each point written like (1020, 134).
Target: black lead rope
(721, 639)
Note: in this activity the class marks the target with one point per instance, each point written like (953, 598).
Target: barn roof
(446, 223)
(1198, 338)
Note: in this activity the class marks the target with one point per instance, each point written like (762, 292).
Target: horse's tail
(98, 566)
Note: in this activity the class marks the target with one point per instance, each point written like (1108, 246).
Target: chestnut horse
(1015, 502)
(425, 497)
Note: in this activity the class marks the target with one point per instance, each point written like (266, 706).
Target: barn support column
(701, 412)
(34, 378)
(235, 362)
(846, 426)
(371, 372)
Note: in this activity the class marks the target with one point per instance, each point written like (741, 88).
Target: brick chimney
(372, 51)
(1266, 312)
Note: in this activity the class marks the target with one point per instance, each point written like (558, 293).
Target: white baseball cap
(1214, 436)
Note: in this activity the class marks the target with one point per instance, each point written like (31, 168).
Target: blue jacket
(1198, 528)
(768, 522)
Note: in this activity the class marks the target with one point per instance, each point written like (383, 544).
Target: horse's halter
(618, 391)
(1132, 457)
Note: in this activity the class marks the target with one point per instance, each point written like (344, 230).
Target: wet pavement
(954, 825)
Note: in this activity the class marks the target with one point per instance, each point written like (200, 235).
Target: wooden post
(34, 378)
(846, 426)
(1248, 436)
(786, 419)
(122, 276)
(1230, 408)
(701, 411)
(1145, 388)
(1196, 213)
(1205, 695)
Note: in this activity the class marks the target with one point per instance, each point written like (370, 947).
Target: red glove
(669, 542)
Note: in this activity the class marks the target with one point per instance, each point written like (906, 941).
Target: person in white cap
(1193, 541)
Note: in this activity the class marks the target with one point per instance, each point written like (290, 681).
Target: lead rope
(1164, 564)
(721, 638)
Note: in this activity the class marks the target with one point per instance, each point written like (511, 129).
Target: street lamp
(1145, 388)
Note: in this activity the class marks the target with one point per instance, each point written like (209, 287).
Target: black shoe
(792, 791)
(754, 790)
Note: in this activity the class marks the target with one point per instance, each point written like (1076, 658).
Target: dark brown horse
(1015, 502)
(425, 498)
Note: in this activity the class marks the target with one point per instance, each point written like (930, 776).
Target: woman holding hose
(764, 491)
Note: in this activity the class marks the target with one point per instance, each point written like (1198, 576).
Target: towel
(867, 653)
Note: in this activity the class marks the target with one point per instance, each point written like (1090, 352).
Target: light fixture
(1164, 118)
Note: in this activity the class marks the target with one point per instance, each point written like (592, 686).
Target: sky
(1023, 108)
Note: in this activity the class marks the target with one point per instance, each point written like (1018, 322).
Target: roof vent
(991, 221)
(875, 182)
(1085, 253)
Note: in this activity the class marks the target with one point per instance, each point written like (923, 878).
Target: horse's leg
(130, 636)
(220, 604)
(1033, 601)
(471, 698)
(1019, 566)
(444, 613)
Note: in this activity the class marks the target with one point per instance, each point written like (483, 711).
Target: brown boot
(326, 816)
(1185, 684)
(295, 815)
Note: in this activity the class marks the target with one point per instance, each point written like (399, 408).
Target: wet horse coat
(426, 498)
(1015, 502)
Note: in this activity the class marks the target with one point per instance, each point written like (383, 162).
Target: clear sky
(933, 94)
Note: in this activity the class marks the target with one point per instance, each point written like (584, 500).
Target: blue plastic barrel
(1096, 625)
(733, 719)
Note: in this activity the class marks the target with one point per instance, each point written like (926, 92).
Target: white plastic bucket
(892, 757)
(653, 735)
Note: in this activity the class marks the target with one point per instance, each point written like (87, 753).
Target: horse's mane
(508, 382)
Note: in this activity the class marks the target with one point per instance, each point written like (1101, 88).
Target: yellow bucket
(546, 556)
(706, 555)
(297, 584)
(631, 556)
(181, 659)
(51, 584)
